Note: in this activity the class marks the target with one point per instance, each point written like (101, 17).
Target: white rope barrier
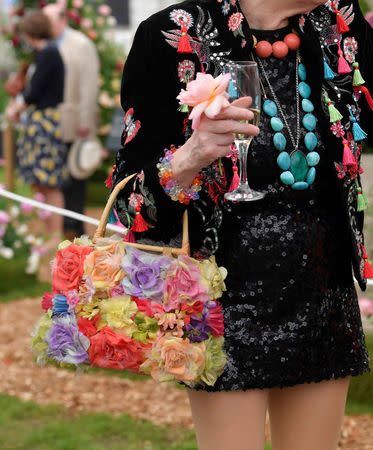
(60, 211)
(73, 215)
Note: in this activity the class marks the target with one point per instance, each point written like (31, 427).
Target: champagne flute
(244, 83)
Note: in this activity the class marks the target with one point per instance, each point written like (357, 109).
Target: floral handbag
(125, 306)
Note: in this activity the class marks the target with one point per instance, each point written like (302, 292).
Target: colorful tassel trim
(348, 157)
(184, 44)
(335, 115)
(362, 199)
(358, 132)
(368, 97)
(109, 179)
(343, 66)
(368, 271)
(112, 218)
(235, 180)
(183, 108)
(358, 80)
(139, 225)
(328, 73)
(341, 24)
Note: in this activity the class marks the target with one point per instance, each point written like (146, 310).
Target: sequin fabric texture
(291, 310)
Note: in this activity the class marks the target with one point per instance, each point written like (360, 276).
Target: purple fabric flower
(66, 344)
(145, 274)
(197, 328)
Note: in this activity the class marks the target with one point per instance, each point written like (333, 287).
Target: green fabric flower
(147, 328)
(215, 360)
(38, 344)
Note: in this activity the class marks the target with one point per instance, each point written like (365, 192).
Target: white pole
(60, 211)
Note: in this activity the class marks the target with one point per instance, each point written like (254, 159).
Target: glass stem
(243, 148)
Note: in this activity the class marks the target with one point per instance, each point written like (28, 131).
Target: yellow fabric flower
(88, 310)
(213, 277)
(38, 344)
(116, 313)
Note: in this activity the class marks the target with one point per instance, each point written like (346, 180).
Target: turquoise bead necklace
(298, 169)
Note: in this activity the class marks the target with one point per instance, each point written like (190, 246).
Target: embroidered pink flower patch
(235, 21)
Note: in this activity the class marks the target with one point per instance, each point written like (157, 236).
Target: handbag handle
(101, 228)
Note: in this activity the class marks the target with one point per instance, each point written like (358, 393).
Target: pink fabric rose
(207, 95)
(183, 284)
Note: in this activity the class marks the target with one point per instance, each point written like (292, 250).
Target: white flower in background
(22, 229)
(33, 263)
(29, 239)
(111, 21)
(14, 211)
(6, 252)
(17, 244)
(39, 241)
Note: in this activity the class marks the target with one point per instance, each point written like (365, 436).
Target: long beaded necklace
(298, 169)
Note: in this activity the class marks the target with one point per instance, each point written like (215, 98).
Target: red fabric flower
(110, 350)
(87, 326)
(47, 301)
(69, 267)
(195, 308)
(147, 307)
(215, 320)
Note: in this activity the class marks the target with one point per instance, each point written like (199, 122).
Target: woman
(41, 153)
(293, 334)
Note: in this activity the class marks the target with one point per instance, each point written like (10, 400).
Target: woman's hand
(11, 111)
(212, 140)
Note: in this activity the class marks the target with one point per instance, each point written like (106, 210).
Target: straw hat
(84, 158)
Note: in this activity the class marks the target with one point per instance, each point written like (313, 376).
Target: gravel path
(161, 404)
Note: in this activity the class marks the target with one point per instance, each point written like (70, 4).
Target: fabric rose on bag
(104, 265)
(215, 318)
(88, 326)
(114, 351)
(173, 358)
(213, 277)
(145, 274)
(207, 95)
(183, 283)
(117, 313)
(215, 360)
(66, 344)
(68, 267)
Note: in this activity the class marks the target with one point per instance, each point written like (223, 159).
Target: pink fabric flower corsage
(207, 95)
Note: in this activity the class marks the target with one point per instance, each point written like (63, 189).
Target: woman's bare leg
(229, 420)
(307, 416)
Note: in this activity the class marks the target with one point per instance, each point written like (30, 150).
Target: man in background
(79, 111)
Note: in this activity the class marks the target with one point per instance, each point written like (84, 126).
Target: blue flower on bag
(145, 274)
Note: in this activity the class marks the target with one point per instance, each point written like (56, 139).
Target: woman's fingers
(235, 113)
(231, 126)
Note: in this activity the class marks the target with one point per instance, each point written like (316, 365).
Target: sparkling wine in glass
(244, 83)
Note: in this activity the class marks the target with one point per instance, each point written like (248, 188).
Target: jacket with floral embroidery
(155, 72)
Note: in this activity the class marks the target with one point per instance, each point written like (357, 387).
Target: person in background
(41, 152)
(79, 109)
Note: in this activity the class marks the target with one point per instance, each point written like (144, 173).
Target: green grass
(16, 284)
(28, 426)
(360, 394)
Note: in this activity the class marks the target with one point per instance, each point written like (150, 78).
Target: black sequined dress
(291, 310)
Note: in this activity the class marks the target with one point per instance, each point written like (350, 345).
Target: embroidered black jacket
(155, 72)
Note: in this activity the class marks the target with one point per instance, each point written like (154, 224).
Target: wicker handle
(100, 231)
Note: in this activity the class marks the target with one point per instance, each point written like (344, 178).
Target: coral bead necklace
(298, 169)
(278, 49)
